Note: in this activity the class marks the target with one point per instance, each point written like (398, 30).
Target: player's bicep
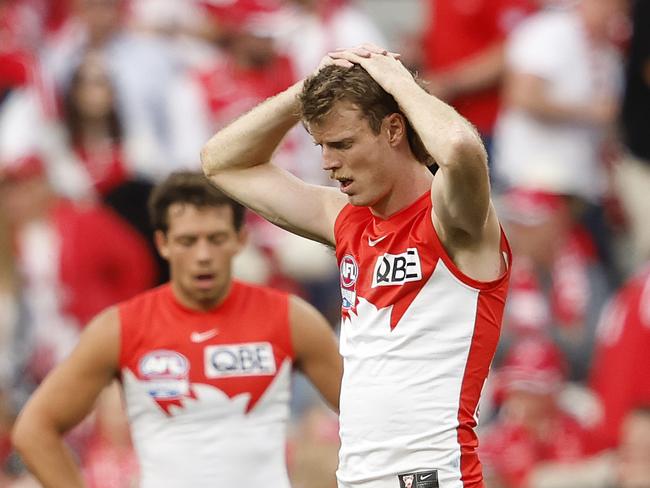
(284, 200)
(316, 350)
(69, 392)
(461, 199)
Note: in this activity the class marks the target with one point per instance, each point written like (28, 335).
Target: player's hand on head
(328, 60)
(365, 50)
(384, 66)
(340, 57)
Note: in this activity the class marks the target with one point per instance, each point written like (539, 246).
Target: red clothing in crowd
(105, 167)
(230, 90)
(461, 29)
(108, 465)
(620, 376)
(510, 452)
(103, 260)
(531, 308)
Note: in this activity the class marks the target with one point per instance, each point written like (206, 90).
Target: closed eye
(219, 238)
(186, 241)
(344, 144)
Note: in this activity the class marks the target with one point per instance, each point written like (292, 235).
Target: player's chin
(357, 200)
(203, 292)
(205, 296)
(360, 200)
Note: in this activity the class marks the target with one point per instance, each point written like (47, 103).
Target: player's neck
(196, 304)
(407, 188)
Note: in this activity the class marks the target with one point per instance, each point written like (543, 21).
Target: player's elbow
(466, 149)
(209, 162)
(24, 434)
(462, 148)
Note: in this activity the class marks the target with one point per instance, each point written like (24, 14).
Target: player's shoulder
(104, 328)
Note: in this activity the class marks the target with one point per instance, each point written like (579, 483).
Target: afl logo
(164, 364)
(349, 271)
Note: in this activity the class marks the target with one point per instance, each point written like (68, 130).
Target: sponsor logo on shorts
(397, 269)
(420, 479)
(166, 373)
(349, 275)
(249, 359)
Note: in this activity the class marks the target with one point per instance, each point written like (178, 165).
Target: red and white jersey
(417, 338)
(207, 392)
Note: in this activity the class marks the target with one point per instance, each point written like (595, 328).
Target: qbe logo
(397, 269)
(250, 359)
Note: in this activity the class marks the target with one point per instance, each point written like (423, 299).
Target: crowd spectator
(633, 172)
(620, 374)
(561, 93)
(558, 285)
(73, 260)
(94, 134)
(308, 29)
(249, 70)
(101, 25)
(625, 466)
(93, 125)
(531, 428)
(468, 72)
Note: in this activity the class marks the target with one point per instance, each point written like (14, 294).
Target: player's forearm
(447, 136)
(251, 139)
(48, 458)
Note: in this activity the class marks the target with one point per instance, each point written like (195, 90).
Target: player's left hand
(384, 66)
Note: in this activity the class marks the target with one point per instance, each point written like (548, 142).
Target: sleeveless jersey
(417, 339)
(207, 392)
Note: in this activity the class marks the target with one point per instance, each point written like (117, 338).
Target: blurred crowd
(101, 99)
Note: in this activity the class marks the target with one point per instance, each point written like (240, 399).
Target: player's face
(354, 155)
(199, 245)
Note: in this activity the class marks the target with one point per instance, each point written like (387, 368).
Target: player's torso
(207, 393)
(409, 320)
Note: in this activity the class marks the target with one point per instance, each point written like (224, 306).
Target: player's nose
(330, 161)
(203, 250)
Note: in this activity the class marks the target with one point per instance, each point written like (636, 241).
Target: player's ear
(394, 125)
(162, 244)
